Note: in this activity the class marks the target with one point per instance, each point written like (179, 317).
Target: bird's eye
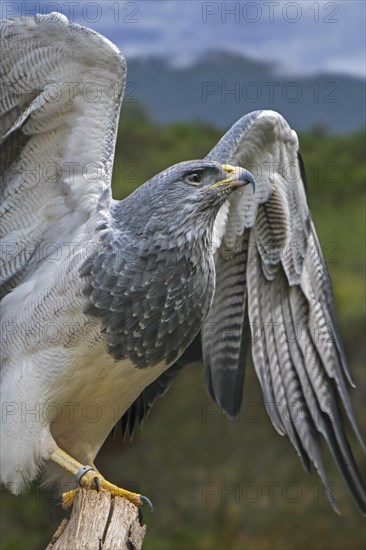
(194, 177)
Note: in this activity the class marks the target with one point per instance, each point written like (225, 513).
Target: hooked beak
(237, 177)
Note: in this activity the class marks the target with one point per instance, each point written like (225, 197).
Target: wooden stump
(98, 522)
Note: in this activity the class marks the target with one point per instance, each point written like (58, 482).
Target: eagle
(103, 301)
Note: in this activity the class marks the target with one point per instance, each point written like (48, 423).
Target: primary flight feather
(106, 301)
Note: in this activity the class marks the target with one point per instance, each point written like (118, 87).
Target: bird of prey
(104, 301)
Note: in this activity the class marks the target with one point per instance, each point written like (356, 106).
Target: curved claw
(147, 501)
(97, 484)
(55, 503)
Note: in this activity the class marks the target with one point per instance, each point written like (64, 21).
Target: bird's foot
(89, 478)
(94, 480)
(99, 484)
(66, 500)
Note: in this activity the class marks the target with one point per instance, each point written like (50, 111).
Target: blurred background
(193, 69)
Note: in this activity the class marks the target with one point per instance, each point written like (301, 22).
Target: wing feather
(296, 348)
(225, 335)
(62, 88)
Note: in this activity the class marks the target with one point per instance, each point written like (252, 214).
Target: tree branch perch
(99, 522)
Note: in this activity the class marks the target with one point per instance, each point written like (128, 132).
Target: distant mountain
(220, 87)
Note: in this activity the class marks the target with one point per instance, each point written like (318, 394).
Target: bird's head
(188, 194)
(199, 183)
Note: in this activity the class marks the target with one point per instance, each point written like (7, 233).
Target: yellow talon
(67, 499)
(88, 481)
(89, 478)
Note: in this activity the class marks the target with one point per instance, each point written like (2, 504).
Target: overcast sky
(301, 37)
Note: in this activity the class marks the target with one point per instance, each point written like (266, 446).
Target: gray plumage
(152, 282)
(179, 272)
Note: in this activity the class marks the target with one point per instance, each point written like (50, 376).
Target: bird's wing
(60, 97)
(271, 275)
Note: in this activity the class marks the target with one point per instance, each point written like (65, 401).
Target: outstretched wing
(60, 97)
(271, 275)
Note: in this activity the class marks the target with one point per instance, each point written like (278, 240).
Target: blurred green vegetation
(188, 456)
